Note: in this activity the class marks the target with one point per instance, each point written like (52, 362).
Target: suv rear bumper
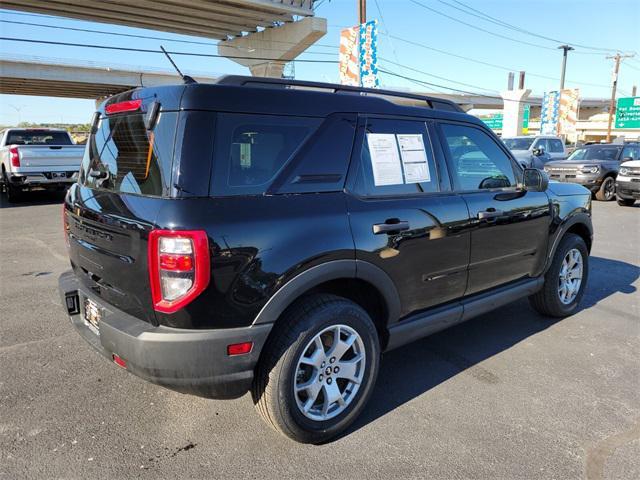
(188, 361)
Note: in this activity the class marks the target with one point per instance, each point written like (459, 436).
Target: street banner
(628, 112)
(568, 111)
(358, 58)
(549, 114)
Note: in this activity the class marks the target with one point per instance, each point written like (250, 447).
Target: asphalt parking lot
(508, 395)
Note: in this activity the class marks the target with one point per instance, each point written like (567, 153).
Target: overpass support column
(513, 112)
(280, 45)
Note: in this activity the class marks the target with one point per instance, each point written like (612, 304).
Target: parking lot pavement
(508, 395)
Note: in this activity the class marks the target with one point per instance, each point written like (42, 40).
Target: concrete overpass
(91, 81)
(262, 31)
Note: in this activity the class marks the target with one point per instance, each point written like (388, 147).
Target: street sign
(628, 112)
(493, 121)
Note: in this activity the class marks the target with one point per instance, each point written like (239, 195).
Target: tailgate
(108, 235)
(61, 157)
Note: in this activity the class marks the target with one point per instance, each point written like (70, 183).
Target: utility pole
(362, 11)
(565, 49)
(614, 80)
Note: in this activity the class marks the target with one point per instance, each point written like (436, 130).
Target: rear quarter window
(250, 150)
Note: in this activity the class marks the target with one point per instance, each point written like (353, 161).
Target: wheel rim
(570, 278)
(609, 188)
(329, 372)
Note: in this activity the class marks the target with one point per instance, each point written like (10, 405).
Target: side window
(477, 162)
(542, 143)
(631, 152)
(250, 150)
(396, 158)
(556, 146)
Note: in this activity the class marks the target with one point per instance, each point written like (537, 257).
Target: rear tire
(607, 191)
(552, 300)
(14, 195)
(297, 389)
(626, 202)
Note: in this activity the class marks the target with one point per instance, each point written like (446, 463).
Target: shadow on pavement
(29, 199)
(412, 370)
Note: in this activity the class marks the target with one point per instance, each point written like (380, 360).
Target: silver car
(535, 151)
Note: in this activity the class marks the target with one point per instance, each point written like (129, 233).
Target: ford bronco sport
(276, 236)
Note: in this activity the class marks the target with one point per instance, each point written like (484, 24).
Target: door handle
(490, 214)
(390, 227)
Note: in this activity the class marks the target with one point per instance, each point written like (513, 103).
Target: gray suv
(535, 151)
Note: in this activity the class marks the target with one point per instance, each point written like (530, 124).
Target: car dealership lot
(508, 395)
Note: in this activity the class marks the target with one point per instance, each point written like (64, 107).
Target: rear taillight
(179, 267)
(14, 156)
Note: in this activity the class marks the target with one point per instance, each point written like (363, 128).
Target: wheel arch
(578, 224)
(359, 281)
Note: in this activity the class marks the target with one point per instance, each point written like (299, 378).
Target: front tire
(318, 368)
(607, 191)
(566, 279)
(626, 202)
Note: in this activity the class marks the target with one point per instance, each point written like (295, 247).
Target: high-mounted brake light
(126, 106)
(179, 267)
(14, 155)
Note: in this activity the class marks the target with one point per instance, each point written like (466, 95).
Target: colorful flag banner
(549, 113)
(359, 55)
(568, 111)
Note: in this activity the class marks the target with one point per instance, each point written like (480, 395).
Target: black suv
(275, 237)
(594, 166)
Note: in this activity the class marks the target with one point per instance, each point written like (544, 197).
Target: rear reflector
(121, 362)
(127, 106)
(239, 348)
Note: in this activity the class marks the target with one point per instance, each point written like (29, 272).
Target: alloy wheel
(570, 278)
(329, 372)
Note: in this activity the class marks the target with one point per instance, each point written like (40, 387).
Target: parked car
(535, 151)
(628, 179)
(38, 159)
(593, 166)
(247, 236)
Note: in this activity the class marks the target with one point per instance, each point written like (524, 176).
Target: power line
(146, 50)
(479, 28)
(488, 64)
(386, 29)
(504, 24)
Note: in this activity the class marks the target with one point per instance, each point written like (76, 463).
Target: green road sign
(493, 121)
(628, 112)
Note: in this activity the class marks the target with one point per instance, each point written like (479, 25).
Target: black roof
(291, 97)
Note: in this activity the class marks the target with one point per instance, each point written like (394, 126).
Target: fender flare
(333, 270)
(582, 218)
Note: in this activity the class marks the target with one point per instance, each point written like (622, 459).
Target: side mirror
(538, 152)
(535, 180)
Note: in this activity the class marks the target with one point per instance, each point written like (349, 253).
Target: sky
(417, 39)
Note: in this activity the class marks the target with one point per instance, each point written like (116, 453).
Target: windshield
(518, 143)
(595, 153)
(37, 137)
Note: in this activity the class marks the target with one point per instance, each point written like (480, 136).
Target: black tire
(607, 191)
(626, 202)
(14, 195)
(273, 386)
(547, 300)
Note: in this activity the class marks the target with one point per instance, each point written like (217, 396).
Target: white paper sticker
(414, 158)
(385, 160)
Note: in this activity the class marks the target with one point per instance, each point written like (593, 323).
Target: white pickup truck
(38, 159)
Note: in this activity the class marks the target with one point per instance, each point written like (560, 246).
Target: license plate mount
(92, 315)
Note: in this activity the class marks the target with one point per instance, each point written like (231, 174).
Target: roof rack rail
(431, 102)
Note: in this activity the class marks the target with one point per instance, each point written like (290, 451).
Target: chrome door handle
(490, 214)
(390, 227)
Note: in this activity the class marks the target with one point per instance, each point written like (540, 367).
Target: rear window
(123, 156)
(37, 137)
(252, 149)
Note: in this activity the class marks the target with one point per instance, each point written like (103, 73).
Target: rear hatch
(124, 180)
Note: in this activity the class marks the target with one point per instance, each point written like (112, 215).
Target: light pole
(18, 109)
(565, 49)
